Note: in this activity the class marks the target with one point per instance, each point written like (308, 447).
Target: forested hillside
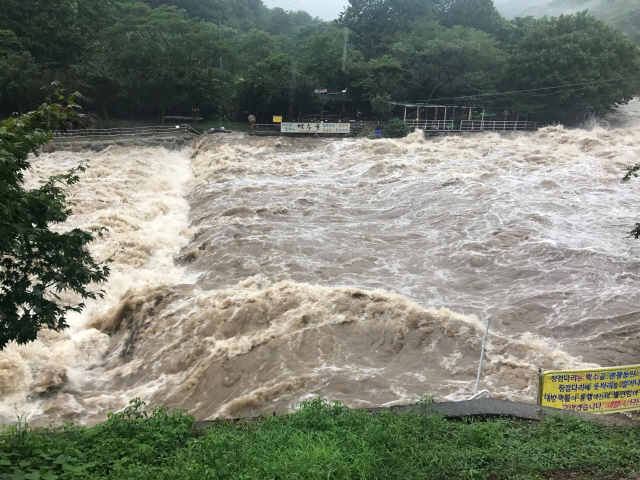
(621, 14)
(135, 60)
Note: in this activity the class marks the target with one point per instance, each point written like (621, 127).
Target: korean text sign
(598, 390)
(315, 128)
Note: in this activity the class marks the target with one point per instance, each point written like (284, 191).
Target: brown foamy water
(252, 273)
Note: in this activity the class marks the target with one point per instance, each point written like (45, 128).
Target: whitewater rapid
(252, 273)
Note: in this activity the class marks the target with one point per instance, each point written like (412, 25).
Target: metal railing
(152, 131)
(496, 126)
(271, 127)
(472, 125)
(476, 393)
(265, 129)
(480, 394)
(431, 124)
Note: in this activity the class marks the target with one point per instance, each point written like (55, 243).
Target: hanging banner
(315, 128)
(597, 390)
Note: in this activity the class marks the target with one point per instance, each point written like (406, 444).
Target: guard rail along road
(97, 139)
(157, 131)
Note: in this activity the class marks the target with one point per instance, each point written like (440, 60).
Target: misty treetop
(622, 14)
(136, 59)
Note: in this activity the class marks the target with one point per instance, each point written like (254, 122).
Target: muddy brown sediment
(250, 276)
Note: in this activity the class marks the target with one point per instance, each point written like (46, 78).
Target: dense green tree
(276, 86)
(478, 14)
(381, 104)
(253, 47)
(139, 58)
(155, 59)
(374, 22)
(445, 63)
(242, 14)
(327, 58)
(18, 73)
(286, 23)
(598, 65)
(103, 78)
(379, 78)
(37, 263)
(56, 32)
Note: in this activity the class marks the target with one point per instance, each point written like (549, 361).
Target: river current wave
(252, 273)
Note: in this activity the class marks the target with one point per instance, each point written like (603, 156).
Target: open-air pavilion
(430, 116)
(446, 118)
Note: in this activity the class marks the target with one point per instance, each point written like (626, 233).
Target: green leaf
(36, 260)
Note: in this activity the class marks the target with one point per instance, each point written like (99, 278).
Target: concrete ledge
(482, 408)
(80, 144)
(493, 408)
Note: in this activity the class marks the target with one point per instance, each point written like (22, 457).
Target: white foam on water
(139, 195)
(253, 273)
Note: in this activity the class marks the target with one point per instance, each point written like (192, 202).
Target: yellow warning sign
(277, 119)
(598, 390)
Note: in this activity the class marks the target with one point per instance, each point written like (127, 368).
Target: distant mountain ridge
(558, 7)
(622, 14)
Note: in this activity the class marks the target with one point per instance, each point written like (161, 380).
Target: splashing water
(252, 273)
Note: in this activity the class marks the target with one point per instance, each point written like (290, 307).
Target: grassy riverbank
(320, 441)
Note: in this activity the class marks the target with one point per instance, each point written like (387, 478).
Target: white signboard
(315, 128)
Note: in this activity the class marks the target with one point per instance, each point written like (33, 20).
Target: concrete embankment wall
(95, 144)
(484, 408)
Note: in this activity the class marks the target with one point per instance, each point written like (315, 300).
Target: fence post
(484, 345)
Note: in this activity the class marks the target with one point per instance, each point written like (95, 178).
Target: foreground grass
(319, 441)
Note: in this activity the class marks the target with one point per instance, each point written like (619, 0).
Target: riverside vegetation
(319, 441)
(137, 59)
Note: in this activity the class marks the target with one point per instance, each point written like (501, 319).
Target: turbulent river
(252, 273)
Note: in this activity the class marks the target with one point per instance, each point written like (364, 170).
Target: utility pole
(220, 47)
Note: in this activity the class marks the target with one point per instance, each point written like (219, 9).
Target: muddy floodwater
(252, 273)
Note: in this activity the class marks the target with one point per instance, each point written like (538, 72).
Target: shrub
(368, 132)
(395, 128)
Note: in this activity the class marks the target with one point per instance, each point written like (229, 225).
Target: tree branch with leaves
(37, 264)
